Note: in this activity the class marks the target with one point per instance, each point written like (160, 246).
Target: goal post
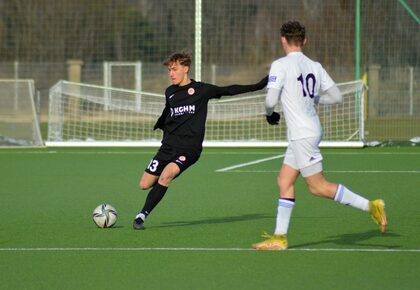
(238, 121)
(19, 124)
(127, 66)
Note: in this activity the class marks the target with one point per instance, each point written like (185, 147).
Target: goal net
(19, 124)
(89, 115)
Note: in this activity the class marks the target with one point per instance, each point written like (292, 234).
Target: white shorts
(304, 155)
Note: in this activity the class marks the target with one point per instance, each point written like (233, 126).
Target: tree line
(233, 32)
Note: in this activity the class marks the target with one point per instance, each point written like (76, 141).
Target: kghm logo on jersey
(181, 110)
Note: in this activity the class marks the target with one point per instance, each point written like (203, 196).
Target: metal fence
(377, 40)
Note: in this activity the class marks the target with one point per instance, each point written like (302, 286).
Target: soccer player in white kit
(300, 83)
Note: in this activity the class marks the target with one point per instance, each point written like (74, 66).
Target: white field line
(94, 249)
(335, 171)
(234, 167)
(249, 163)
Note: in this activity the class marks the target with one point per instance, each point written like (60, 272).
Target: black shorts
(182, 157)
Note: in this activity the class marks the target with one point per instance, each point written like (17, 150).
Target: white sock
(347, 197)
(284, 212)
(142, 216)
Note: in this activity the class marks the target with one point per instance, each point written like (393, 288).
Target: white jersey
(299, 79)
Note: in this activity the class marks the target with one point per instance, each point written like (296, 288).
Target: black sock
(153, 198)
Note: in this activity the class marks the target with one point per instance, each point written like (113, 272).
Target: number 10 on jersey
(308, 85)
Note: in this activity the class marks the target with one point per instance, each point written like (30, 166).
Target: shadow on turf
(217, 220)
(355, 239)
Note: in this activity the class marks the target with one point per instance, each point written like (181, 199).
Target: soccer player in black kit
(183, 123)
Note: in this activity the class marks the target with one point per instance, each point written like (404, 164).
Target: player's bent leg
(319, 186)
(160, 186)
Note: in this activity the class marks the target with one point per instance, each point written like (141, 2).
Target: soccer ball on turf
(104, 215)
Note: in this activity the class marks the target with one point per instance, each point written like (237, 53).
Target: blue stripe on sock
(286, 203)
(340, 193)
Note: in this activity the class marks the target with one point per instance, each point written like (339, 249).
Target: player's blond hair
(183, 58)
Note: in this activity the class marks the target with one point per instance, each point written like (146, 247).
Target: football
(105, 215)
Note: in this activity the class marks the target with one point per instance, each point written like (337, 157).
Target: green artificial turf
(200, 235)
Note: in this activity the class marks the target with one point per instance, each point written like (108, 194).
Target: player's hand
(273, 119)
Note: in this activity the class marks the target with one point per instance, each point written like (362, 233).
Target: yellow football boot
(272, 243)
(377, 211)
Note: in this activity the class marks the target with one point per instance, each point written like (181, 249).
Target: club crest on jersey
(181, 159)
(272, 79)
(191, 91)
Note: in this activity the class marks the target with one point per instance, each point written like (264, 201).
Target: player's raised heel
(272, 243)
(377, 211)
(138, 224)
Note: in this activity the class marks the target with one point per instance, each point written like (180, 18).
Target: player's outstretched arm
(240, 89)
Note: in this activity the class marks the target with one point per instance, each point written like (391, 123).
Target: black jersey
(184, 118)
